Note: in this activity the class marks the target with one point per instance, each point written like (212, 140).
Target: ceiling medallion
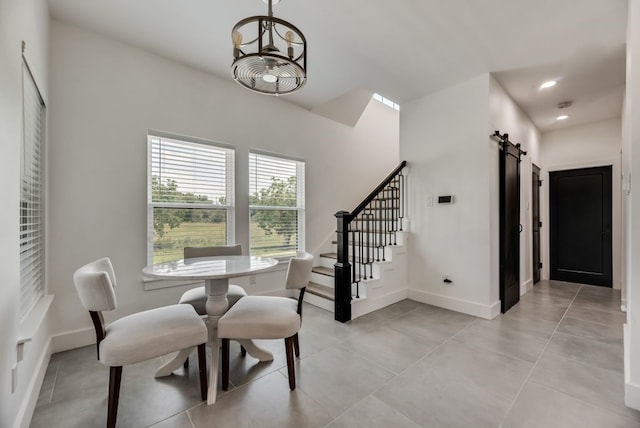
(274, 59)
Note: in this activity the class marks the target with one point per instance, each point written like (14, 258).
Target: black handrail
(378, 189)
(367, 234)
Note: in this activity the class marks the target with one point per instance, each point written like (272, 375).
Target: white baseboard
(363, 307)
(73, 339)
(631, 390)
(458, 305)
(23, 419)
(526, 286)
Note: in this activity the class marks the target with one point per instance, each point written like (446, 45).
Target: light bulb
(289, 37)
(237, 38)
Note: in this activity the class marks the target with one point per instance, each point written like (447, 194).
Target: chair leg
(243, 351)
(296, 345)
(225, 364)
(202, 369)
(186, 363)
(291, 371)
(115, 377)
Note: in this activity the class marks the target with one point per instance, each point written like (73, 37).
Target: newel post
(342, 269)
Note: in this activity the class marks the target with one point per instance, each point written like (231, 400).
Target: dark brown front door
(535, 222)
(580, 204)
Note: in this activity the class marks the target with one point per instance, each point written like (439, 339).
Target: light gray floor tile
(266, 402)
(48, 384)
(596, 353)
(89, 411)
(591, 330)
(598, 386)
(390, 349)
(540, 407)
(178, 421)
(533, 311)
(539, 328)
(338, 379)
(429, 322)
(501, 338)
(409, 365)
(457, 386)
(597, 315)
(372, 413)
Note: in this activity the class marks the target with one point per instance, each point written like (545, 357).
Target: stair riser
(325, 280)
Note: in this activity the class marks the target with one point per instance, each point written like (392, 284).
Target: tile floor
(554, 360)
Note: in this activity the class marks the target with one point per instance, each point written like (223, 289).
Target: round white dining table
(215, 272)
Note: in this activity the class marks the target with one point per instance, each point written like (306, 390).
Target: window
(386, 101)
(32, 175)
(190, 195)
(276, 205)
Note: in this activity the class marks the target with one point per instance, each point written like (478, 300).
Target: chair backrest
(95, 284)
(222, 250)
(299, 271)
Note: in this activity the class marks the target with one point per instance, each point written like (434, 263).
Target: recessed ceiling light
(548, 84)
(563, 117)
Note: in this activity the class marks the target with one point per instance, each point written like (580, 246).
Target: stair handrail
(342, 267)
(376, 191)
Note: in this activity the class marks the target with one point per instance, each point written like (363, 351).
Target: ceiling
(403, 49)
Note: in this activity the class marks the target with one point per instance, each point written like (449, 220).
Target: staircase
(368, 267)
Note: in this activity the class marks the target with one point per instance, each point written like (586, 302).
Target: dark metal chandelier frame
(274, 62)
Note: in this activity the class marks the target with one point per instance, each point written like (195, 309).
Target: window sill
(30, 325)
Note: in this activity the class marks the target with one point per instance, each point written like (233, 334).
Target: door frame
(616, 214)
(536, 188)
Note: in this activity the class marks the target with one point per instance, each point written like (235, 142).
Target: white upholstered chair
(137, 337)
(268, 317)
(197, 297)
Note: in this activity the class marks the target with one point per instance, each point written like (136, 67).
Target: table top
(201, 268)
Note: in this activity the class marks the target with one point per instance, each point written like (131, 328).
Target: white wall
(594, 144)
(105, 96)
(508, 118)
(445, 138)
(631, 147)
(19, 20)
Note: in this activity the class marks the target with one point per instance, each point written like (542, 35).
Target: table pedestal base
(216, 305)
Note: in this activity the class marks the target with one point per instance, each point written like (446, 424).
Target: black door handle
(520, 226)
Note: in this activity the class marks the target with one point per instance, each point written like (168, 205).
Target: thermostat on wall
(448, 199)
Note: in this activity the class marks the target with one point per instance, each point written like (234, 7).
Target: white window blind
(276, 205)
(31, 195)
(190, 195)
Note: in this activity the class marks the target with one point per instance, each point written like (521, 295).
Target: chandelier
(274, 59)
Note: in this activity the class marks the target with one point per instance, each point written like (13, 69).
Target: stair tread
(322, 270)
(329, 255)
(320, 290)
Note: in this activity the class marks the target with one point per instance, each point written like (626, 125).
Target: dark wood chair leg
(296, 345)
(202, 369)
(291, 371)
(243, 351)
(225, 364)
(186, 363)
(115, 377)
